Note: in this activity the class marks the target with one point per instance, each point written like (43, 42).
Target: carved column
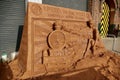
(117, 12)
(116, 19)
(96, 11)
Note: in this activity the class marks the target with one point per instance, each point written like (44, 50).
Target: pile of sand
(105, 66)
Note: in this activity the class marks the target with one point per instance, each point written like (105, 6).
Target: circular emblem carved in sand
(56, 39)
(36, 9)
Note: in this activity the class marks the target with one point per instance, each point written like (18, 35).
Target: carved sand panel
(55, 39)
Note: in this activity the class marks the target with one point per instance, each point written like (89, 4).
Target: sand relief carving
(58, 43)
(62, 41)
(65, 42)
(58, 52)
(60, 49)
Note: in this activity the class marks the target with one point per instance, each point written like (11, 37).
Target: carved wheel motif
(56, 39)
(36, 9)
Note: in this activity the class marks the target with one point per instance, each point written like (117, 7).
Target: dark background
(74, 4)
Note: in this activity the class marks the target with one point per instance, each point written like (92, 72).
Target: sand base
(105, 66)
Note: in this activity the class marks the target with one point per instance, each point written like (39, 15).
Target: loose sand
(105, 66)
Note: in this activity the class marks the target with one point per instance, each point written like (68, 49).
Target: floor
(112, 44)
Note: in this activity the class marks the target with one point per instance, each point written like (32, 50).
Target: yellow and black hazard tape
(104, 20)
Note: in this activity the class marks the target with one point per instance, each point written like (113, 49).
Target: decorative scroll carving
(36, 9)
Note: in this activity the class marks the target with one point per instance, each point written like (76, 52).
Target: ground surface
(112, 44)
(100, 67)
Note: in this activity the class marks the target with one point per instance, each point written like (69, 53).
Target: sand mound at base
(104, 66)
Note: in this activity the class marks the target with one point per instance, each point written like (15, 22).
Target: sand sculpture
(55, 39)
(59, 41)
